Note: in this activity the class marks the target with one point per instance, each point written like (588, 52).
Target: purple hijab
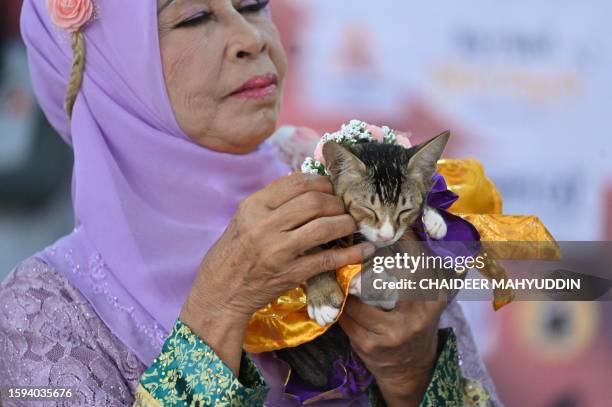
(148, 201)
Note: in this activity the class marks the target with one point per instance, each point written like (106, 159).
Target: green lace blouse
(189, 373)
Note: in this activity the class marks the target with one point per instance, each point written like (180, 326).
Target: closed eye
(373, 212)
(196, 19)
(254, 7)
(204, 16)
(403, 212)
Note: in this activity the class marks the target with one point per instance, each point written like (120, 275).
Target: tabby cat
(383, 187)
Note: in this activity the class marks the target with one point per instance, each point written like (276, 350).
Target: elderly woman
(187, 223)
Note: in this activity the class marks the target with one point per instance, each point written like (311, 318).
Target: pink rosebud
(70, 14)
(318, 153)
(377, 132)
(402, 139)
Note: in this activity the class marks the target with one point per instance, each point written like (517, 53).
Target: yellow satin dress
(285, 322)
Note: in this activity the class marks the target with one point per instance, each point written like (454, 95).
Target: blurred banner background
(524, 88)
(35, 164)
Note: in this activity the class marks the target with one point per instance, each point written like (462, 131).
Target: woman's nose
(247, 41)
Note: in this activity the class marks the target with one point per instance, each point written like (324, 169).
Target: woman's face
(224, 67)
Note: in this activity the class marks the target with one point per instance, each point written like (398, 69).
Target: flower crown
(72, 16)
(351, 133)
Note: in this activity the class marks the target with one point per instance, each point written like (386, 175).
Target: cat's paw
(355, 286)
(387, 305)
(323, 314)
(385, 299)
(434, 223)
(324, 302)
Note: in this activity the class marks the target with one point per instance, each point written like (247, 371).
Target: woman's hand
(262, 254)
(398, 346)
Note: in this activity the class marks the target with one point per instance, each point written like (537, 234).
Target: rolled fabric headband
(72, 15)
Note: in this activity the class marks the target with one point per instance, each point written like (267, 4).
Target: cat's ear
(340, 161)
(423, 164)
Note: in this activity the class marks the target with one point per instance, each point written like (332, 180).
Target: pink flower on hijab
(70, 14)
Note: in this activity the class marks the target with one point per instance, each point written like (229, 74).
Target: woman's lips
(258, 87)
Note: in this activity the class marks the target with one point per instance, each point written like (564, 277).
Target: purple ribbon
(462, 238)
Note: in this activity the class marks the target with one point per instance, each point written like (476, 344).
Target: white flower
(349, 134)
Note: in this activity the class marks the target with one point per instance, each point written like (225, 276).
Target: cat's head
(383, 186)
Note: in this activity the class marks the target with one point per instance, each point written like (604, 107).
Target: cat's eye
(402, 213)
(373, 212)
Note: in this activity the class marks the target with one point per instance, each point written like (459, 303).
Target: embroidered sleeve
(189, 373)
(447, 386)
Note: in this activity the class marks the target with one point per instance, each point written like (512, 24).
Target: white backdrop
(529, 84)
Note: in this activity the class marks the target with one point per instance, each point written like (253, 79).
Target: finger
(371, 318)
(322, 230)
(436, 307)
(308, 206)
(286, 188)
(361, 339)
(351, 328)
(433, 308)
(332, 259)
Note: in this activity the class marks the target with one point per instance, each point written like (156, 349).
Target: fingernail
(368, 250)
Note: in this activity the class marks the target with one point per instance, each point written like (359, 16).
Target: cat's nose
(383, 237)
(386, 231)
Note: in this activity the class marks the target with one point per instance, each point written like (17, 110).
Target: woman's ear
(340, 161)
(423, 164)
